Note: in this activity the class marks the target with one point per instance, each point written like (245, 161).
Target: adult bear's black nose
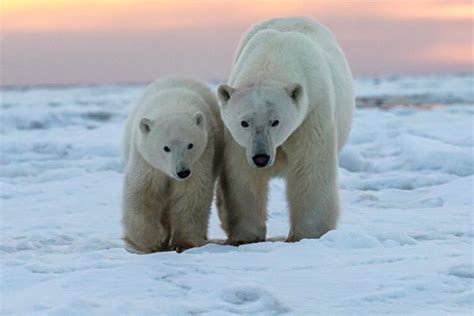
(261, 160)
(184, 174)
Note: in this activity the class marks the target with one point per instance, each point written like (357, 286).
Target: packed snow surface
(404, 244)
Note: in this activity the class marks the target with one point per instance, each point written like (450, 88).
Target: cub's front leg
(142, 213)
(189, 211)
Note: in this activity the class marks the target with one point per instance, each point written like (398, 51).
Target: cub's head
(262, 118)
(173, 144)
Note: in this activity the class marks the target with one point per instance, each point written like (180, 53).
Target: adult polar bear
(287, 110)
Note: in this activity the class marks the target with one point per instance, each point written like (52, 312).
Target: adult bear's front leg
(312, 189)
(242, 201)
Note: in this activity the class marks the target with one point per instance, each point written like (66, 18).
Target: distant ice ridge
(39, 108)
(443, 89)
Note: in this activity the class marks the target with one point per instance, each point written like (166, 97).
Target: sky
(115, 41)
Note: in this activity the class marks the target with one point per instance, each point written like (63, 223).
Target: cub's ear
(199, 119)
(295, 91)
(224, 92)
(145, 125)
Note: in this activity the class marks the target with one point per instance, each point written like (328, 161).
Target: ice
(404, 244)
(442, 89)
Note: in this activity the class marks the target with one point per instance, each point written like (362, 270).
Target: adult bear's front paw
(249, 235)
(313, 234)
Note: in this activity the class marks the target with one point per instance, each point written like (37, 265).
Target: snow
(445, 89)
(404, 244)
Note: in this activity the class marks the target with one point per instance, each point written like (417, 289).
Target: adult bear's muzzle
(262, 152)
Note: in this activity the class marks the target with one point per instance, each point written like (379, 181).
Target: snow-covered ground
(404, 244)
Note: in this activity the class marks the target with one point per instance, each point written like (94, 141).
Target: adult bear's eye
(190, 146)
(167, 149)
(275, 123)
(244, 124)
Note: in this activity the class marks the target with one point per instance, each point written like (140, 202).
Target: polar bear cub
(287, 110)
(172, 149)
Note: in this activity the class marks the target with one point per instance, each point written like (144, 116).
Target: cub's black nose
(261, 160)
(184, 174)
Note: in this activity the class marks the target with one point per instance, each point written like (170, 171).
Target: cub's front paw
(234, 242)
(134, 247)
(292, 239)
(182, 246)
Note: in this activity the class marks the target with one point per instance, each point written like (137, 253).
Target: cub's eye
(244, 124)
(167, 149)
(275, 123)
(190, 146)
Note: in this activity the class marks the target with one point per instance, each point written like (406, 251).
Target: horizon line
(217, 81)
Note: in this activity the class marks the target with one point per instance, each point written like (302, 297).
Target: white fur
(161, 210)
(291, 70)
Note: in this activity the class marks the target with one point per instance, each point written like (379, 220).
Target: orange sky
(71, 41)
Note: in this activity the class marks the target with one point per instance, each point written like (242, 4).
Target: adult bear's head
(261, 118)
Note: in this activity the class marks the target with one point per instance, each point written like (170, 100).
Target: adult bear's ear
(145, 125)
(224, 92)
(199, 119)
(295, 91)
